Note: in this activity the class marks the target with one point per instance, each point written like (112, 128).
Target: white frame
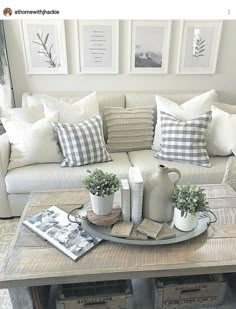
(62, 47)
(114, 69)
(215, 46)
(166, 46)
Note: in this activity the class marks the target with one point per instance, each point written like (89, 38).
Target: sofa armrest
(4, 161)
(4, 153)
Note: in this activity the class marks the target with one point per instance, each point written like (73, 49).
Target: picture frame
(44, 46)
(199, 46)
(99, 46)
(149, 46)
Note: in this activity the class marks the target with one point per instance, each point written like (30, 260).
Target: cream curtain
(6, 95)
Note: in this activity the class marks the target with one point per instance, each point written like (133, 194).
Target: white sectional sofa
(16, 184)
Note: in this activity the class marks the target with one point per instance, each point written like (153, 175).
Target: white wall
(224, 81)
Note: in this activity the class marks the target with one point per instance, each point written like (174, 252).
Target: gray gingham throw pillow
(184, 140)
(82, 143)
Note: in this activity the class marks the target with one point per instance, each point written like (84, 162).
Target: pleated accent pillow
(129, 129)
(184, 140)
(82, 143)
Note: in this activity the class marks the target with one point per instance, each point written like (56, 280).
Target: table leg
(35, 297)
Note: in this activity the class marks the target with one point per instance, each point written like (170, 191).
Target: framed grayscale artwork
(99, 46)
(199, 46)
(150, 42)
(44, 46)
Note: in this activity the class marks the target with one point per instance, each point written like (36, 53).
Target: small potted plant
(102, 187)
(188, 201)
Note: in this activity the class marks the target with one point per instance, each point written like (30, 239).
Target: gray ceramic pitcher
(157, 195)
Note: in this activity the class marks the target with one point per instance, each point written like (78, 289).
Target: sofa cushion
(32, 143)
(184, 140)
(28, 114)
(148, 99)
(186, 111)
(228, 108)
(221, 138)
(82, 143)
(71, 113)
(52, 176)
(104, 100)
(192, 174)
(129, 128)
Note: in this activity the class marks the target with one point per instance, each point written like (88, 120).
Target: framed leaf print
(44, 46)
(199, 46)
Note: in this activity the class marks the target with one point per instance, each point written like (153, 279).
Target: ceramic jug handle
(174, 170)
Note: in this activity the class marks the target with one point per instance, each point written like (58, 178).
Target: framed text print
(99, 46)
(44, 46)
(199, 45)
(150, 41)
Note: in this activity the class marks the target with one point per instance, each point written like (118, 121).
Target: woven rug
(7, 230)
(230, 173)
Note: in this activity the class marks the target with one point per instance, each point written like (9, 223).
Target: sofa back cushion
(148, 99)
(104, 100)
(129, 129)
(77, 112)
(228, 108)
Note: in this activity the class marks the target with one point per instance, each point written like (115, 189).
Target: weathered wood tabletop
(32, 261)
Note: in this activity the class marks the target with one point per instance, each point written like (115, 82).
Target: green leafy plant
(190, 199)
(101, 183)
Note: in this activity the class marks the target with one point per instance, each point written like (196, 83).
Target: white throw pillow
(221, 138)
(30, 100)
(27, 114)
(190, 109)
(32, 143)
(72, 113)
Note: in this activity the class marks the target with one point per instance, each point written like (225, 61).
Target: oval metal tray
(104, 233)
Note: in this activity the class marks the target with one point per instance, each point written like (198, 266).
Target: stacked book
(132, 196)
(125, 200)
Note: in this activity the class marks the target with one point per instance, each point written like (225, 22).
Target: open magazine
(53, 225)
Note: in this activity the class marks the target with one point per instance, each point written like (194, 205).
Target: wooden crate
(189, 292)
(106, 294)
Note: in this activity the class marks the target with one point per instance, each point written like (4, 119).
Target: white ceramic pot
(187, 222)
(102, 205)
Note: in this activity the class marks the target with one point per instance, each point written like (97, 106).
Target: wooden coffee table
(33, 262)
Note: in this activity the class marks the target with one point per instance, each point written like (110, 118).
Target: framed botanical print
(44, 46)
(150, 42)
(99, 46)
(199, 46)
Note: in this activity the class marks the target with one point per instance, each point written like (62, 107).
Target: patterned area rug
(230, 173)
(7, 230)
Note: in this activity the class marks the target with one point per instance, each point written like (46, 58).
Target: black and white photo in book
(53, 225)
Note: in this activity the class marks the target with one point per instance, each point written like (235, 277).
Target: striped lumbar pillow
(184, 140)
(82, 143)
(129, 128)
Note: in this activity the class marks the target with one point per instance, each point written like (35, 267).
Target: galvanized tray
(105, 234)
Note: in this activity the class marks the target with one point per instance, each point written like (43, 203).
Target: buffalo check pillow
(82, 143)
(184, 140)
